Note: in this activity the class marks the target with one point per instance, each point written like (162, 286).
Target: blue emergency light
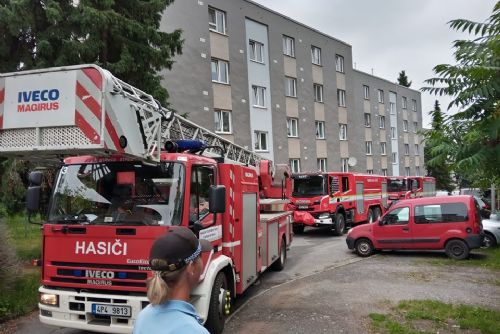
(184, 145)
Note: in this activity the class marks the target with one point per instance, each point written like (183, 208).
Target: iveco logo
(99, 274)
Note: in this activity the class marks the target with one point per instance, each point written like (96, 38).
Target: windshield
(396, 185)
(308, 186)
(119, 193)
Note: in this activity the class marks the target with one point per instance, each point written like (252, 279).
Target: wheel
(489, 241)
(371, 217)
(220, 304)
(279, 264)
(457, 249)
(339, 226)
(364, 247)
(298, 229)
(377, 213)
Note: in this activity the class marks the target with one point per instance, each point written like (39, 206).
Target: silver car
(491, 230)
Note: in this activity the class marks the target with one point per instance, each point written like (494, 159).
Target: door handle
(406, 228)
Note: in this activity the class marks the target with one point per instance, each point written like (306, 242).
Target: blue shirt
(171, 317)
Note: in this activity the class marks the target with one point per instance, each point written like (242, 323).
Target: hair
(159, 285)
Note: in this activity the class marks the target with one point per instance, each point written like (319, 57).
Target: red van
(452, 223)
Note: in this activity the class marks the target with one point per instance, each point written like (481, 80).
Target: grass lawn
(25, 237)
(429, 316)
(488, 258)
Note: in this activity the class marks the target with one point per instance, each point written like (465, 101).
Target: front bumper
(323, 221)
(474, 241)
(350, 242)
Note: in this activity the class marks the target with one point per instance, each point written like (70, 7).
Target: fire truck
(404, 187)
(336, 200)
(129, 170)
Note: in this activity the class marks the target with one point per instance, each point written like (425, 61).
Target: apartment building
(288, 91)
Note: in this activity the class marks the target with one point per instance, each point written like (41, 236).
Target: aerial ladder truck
(129, 170)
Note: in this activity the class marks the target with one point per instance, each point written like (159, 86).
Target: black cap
(175, 249)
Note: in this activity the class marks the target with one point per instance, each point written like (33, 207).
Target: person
(177, 265)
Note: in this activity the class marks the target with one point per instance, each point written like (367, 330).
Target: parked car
(491, 230)
(484, 207)
(452, 223)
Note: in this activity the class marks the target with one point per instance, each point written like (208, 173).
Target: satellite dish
(352, 161)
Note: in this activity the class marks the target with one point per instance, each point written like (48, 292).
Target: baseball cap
(176, 248)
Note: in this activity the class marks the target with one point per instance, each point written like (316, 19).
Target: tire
(378, 213)
(216, 317)
(371, 217)
(279, 264)
(457, 249)
(339, 225)
(298, 229)
(488, 241)
(364, 247)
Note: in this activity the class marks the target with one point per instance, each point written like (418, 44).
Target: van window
(399, 216)
(441, 213)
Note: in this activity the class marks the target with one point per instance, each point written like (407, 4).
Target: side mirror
(33, 199)
(217, 199)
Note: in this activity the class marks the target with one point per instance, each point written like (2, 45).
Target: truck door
(202, 177)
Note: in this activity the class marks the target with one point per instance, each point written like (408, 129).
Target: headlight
(49, 299)
(349, 231)
(324, 215)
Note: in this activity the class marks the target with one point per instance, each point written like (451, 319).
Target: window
(417, 170)
(344, 165)
(339, 63)
(256, 51)
(368, 146)
(343, 132)
(320, 130)
(292, 127)
(381, 122)
(407, 171)
(392, 108)
(393, 132)
(290, 87)
(217, 20)
(407, 149)
(341, 97)
(220, 71)
(384, 171)
(369, 171)
(414, 105)
(223, 121)
(368, 120)
(383, 148)
(321, 164)
(316, 55)
(394, 158)
(260, 141)
(405, 125)
(318, 93)
(399, 216)
(202, 177)
(441, 213)
(380, 96)
(415, 127)
(259, 96)
(366, 92)
(295, 165)
(405, 102)
(417, 150)
(288, 46)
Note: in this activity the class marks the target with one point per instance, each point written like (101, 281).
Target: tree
(441, 170)
(403, 79)
(471, 135)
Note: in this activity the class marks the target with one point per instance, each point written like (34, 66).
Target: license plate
(112, 310)
(303, 207)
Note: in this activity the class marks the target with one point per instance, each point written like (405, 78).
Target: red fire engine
(137, 169)
(336, 200)
(404, 187)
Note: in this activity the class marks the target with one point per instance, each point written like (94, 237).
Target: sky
(391, 35)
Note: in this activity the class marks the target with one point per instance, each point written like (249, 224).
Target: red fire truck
(132, 170)
(404, 187)
(336, 200)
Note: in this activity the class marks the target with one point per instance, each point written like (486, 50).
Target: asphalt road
(310, 253)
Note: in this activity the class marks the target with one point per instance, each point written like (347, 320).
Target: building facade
(288, 91)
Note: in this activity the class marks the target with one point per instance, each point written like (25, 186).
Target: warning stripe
(112, 133)
(2, 97)
(88, 100)
(86, 128)
(94, 75)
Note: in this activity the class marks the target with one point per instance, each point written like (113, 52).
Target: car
(452, 223)
(491, 230)
(484, 206)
